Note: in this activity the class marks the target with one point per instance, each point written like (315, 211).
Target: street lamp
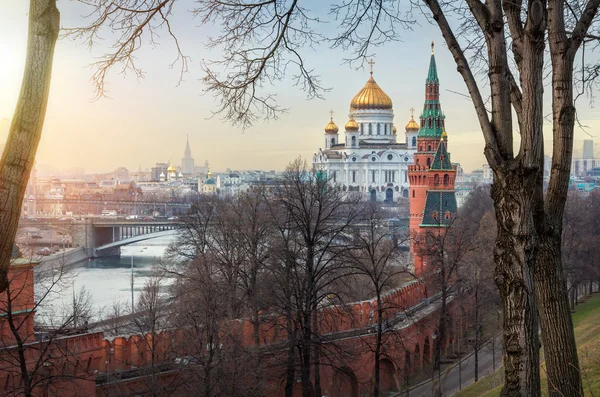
(132, 302)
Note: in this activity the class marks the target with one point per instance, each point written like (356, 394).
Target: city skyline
(147, 121)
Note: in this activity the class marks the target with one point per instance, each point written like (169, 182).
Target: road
(450, 378)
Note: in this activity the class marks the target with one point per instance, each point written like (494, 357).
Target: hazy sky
(147, 121)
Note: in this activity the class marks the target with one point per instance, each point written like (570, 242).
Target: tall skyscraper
(588, 149)
(187, 162)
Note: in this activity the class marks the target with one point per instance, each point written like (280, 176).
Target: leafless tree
(26, 126)
(36, 355)
(376, 254)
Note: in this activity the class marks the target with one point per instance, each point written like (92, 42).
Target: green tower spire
(432, 76)
(432, 117)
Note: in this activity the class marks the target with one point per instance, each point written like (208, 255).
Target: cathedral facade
(372, 159)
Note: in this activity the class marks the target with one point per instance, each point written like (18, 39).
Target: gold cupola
(171, 168)
(331, 128)
(371, 96)
(394, 130)
(412, 125)
(351, 125)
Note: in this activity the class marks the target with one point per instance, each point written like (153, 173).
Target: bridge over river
(104, 237)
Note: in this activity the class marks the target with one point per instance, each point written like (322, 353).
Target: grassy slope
(587, 332)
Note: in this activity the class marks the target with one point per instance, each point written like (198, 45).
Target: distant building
(187, 162)
(209, 186)
(159, 168)
(588, 149)
(580, 166)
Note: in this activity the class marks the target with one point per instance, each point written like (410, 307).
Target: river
(108, 280)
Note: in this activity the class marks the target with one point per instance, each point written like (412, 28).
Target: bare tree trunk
(564, 378)
(378, 347)
(26, 127)
(317, 356)
(290, 373)
(514, 254)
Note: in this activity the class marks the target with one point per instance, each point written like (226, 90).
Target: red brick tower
(432, 199)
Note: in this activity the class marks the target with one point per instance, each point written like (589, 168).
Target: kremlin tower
(432, 176)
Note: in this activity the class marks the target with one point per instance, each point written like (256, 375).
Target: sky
(147, 121)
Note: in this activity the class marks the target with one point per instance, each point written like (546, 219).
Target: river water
(108, 280)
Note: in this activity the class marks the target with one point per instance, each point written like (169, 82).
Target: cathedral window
(414, 141)
(332, 141)
(370, 129)
(378, 128)
(390, 157)
(393, 176)
(405, 175)
(446, 179)
(333, 176)
(353, 176)
(361, 129)
(372, 176)
(353, 143)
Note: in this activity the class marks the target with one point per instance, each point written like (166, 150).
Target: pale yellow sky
(147, 121)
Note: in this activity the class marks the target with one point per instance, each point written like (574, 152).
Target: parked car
(148, 218)
(36, 236)
(172, 218)
(44, 251)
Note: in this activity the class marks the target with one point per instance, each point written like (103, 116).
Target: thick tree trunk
(26, 126)
(514, 254)
(560, 350)
(564, 378)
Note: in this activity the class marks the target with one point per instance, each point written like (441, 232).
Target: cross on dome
(371, 63)
(412, 112)
(331, 114)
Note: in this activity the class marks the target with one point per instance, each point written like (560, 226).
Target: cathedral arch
(414, 141)
(353, 141)
(405, 193)
(373, 195)
(389, 195)
(332, 141)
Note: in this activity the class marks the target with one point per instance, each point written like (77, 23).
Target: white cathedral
(370, 160)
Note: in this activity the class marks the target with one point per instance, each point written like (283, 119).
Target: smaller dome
(351, 125)
(171, 168)
(331, 128)
(394, 130)
(412, 125)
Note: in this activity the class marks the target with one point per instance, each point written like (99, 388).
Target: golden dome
(171, 168)
(394, 130)
(351, 125)
(412, 125)
(371, 97)
(331, 128)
